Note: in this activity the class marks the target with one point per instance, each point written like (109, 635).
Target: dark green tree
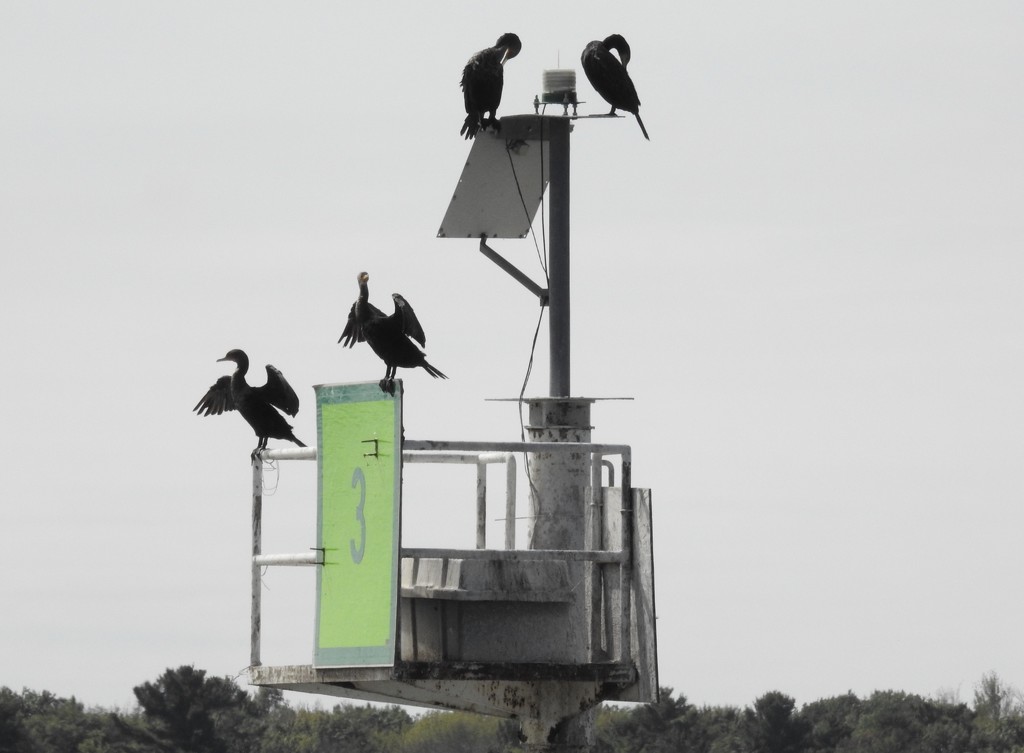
(830, 722)
(188, 712)
(44, 723)
(12, 722)
(662, 727)
(775, 727)
(725, 729)
(55, 725)
(896, 722)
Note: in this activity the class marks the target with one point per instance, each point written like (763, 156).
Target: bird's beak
(504, 55)
(225, 358)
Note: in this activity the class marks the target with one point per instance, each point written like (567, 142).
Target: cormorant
(609, 77)
(256, 404)
(361, 312)
(482, 81)
(388, 336)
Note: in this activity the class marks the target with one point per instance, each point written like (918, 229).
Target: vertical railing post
(257, 549)
(626, 569)
(510, 501)
(481, 504)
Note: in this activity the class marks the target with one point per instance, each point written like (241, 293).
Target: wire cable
(542, 258)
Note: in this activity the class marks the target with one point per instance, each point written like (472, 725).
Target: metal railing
(481, 454)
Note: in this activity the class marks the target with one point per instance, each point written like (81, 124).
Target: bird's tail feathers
(470, 126)
(433, 371)
(642, 126)
(296, 441)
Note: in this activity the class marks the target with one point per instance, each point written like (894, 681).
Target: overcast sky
(809, 280)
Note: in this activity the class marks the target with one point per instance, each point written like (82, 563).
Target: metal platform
(487, 630)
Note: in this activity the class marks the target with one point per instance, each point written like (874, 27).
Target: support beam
(514, 272)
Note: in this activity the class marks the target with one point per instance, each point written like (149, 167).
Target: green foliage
(775, 727)
(668, 725)
(994, 700)
(999, 725)
(343, 729)
(897, 722)
(184, 711)
(830, 721)
(451, 732)
(12, 721)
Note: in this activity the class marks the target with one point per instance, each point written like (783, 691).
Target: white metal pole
(257, 549)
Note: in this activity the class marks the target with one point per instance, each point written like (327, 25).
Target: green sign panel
(359, 453)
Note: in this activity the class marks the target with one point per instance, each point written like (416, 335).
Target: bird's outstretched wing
(217, 399)
(353, 332)
(410, 324)
(278, 392)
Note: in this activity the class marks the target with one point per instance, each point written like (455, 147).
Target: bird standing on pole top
(607, 74)
(258, 405)
(482, 82)
(388, 336)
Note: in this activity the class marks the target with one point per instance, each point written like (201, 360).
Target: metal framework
(480, 454)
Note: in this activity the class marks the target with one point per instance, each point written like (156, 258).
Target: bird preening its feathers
(390, 337)
(607, 74)
(482, 82)
(258, 405)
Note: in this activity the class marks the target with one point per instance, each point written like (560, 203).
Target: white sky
(809, 280)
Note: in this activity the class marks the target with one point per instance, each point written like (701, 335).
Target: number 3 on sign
(358, 479)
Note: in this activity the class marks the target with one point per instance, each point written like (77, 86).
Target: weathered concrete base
(542, 695)
(572, 734)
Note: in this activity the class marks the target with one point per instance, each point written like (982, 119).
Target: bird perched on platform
(607, 74)
(388, 336)
(482, 82)
(258, 405)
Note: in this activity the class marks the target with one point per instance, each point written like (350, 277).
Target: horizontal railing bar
(470, 446)
(424, 456)
(428, 445)
(290, 453)
(520, 555)
(305, 558)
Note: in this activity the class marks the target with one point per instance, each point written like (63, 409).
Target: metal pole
(558, 266)
(257, 550)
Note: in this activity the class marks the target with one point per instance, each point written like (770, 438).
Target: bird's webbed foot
(387, 384)
(256, 453)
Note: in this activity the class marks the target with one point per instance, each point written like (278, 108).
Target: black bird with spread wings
(258, 405)
(388, 336)
(609, 77)
(482, 81)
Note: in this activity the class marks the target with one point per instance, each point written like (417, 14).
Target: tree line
(185, 711)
